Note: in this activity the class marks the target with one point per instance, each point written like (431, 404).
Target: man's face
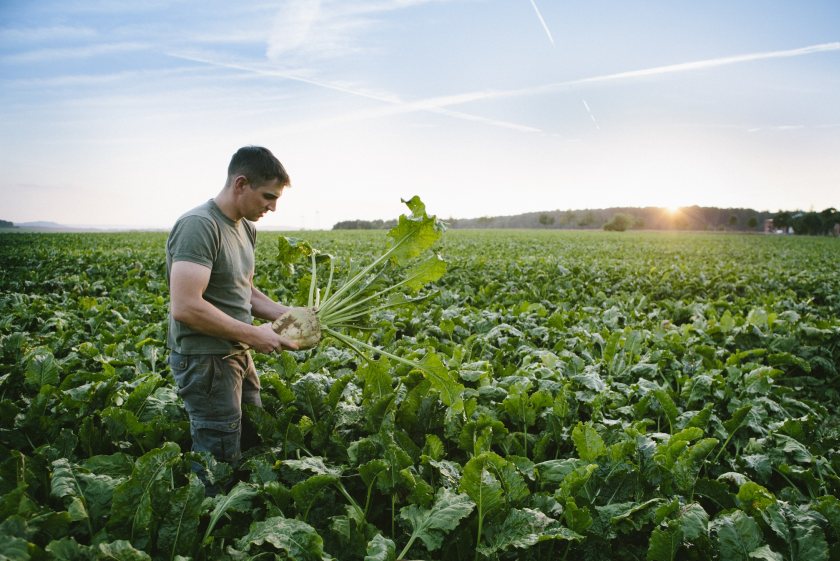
(257, 200)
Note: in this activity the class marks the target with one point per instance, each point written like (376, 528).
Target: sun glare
(672, 209)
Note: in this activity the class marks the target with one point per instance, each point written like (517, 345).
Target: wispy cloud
(783, 128)
(438, 103)
(778, 128)
(296, 77)
(102, 7)
(442, 104)
(130, 79)
(647, 72)
(322, 29)
(485, 120)
(542, 21)
(293, 24)
(712, 63)
(390, 110)
(397, 105)
(48, 33)
(65, 53)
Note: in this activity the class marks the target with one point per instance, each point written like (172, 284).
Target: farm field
(612, 396)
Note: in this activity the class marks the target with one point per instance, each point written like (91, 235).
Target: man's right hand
(265, 340)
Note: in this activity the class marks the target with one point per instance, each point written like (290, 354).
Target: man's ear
(239, 183)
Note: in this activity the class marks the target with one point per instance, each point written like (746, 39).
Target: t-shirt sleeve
(194, 239)
(252, 232)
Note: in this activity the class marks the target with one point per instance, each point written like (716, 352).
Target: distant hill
(47, 226)
(42, 225)
(647, 218)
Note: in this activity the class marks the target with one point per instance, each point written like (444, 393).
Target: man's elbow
(181, 313)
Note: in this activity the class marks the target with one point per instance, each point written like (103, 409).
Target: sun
(672, 209)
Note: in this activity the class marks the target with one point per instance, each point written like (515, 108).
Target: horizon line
(52, 225)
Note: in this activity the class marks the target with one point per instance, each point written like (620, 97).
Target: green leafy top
(414, 234)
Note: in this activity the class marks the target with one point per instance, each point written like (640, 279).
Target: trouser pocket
(210, 387)
(220, 438)
(193, 374)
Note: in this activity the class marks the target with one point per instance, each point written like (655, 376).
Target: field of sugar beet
(600, 395)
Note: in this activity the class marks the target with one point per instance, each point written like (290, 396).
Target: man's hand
(265, 340)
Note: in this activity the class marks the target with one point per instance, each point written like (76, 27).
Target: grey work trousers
(213, 389)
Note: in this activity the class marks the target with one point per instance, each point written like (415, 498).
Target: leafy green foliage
(296, 539)
(738, 536)
(588, 442)
(380, 549)
(581, 395)
(689, 527)
(431, 525)
(237, 500)
(146, 490)
(178, 527)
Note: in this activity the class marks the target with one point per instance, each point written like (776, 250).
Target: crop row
(594, 396)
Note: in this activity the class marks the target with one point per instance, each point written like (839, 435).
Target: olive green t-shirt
(207, 237)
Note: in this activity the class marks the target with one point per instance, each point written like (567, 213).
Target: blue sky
(126, 113)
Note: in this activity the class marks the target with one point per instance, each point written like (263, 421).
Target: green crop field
(603, 396)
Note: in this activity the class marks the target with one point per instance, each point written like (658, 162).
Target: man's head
(258, 165)
(255, 181)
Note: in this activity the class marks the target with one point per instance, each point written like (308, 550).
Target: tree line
(809, 223)
(364, 225)
(644, 218)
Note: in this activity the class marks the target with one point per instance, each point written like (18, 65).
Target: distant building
(770, 228)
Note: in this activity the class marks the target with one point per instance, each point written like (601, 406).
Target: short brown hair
(258, 164)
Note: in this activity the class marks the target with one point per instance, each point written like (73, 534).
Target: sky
(121, 113)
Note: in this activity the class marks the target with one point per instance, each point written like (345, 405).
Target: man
(210, 264)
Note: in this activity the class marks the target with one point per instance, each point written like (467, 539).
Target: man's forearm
(208, 319)
(264, 307)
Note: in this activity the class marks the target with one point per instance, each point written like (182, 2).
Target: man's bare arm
(187, 283)
(264, 307)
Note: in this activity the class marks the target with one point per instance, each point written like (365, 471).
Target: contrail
(655, 71)
(436, 105)
(286, 75)
(440, 104)
(542, 21)
(591, 116)
(712, 63)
